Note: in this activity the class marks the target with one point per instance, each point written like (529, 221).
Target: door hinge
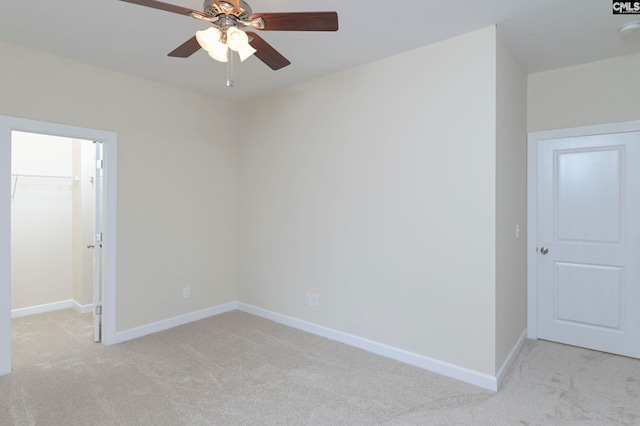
(98, 309)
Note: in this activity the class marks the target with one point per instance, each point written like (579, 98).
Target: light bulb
(236, 39)
(246, 51)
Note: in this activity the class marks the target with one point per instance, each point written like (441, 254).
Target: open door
(106, 278)
(97, 246)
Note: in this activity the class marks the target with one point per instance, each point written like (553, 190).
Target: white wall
(176, 177)
(5, 255)
(375, 188)
(41, 221)
(595, 93)
(50, 261)
(77, 237)
(511, 206)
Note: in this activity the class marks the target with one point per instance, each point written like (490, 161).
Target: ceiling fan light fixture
(237, 39)
(208, 38)
(246, 51)
(219, 52)
(630, 27)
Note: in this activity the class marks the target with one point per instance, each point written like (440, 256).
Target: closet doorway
(56, 238)
(56, 222)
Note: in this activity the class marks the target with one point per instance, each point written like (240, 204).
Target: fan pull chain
(229, 68)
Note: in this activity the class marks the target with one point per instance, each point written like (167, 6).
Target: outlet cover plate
(312, 299)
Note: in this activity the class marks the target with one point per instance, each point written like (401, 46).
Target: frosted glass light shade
(246, 51)
(208, 38)
(237, 39)
(219, 52)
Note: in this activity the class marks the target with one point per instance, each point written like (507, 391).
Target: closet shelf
(21, 175)
(46, 176)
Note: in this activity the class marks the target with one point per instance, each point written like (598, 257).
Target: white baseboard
(463, 374)
(40, 309)
(476, 378)
(506, 365)
(50, 307)
(144, 330)
(83, 309)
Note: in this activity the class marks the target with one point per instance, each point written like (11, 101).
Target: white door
(588, 242)
(97, 246)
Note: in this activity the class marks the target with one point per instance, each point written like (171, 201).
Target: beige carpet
(237, 369)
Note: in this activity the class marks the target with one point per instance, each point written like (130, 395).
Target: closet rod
(20, 175)
(46, 176)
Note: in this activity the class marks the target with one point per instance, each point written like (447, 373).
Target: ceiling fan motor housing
(212, 9)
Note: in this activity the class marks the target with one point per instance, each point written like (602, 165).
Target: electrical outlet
(186, 292)
(312, 299)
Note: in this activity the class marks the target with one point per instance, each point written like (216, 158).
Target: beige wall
(176, 177)
(375, 189)
(589, 94)
(511, 203)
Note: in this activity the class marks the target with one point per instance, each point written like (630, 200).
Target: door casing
(109, 140)
(534, 139)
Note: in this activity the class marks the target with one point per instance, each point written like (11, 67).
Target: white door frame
(109, 140)
(532, 203)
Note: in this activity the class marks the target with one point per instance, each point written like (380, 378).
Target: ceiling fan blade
(266, 53)
(186, 49)
(299, 21)
(162, 6)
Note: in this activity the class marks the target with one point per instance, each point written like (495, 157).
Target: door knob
(544, 250)
(90, 246)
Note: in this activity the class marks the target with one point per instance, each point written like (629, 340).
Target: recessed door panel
(588, 194)
(588, 295)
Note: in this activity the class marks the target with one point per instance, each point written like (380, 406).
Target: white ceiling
(545, 34)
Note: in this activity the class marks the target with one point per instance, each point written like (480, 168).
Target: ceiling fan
(229, 18)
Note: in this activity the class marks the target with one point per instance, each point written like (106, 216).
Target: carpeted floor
(237, 369)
